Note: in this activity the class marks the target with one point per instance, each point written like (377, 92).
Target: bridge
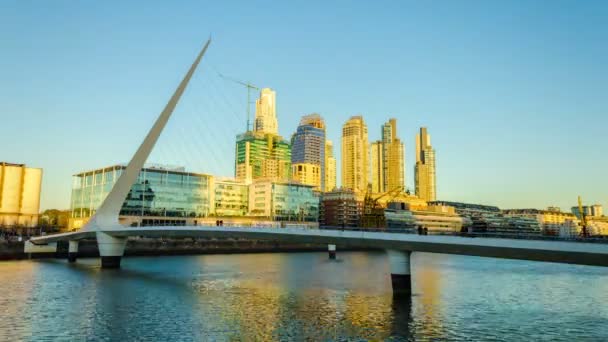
(111, 236)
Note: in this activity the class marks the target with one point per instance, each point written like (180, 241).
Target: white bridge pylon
(105, 219)
(106, 216)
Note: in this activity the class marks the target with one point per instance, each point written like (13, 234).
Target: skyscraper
(355, 154)
(388, 160)
(425, 167)
(266, 112)
(377, 167)
(308, 152)
(260, 155)
(330, 166)
(394, 165)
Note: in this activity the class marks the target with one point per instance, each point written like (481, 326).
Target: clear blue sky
(514, 93)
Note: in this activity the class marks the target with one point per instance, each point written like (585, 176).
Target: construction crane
(373, 212)
(249, 86)
(584, 232)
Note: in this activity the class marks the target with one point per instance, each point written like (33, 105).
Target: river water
(301, 297)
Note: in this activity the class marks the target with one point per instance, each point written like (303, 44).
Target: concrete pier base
(111, 250)
(331, 249)
(72, 251)
(110, 261)
(401, 276)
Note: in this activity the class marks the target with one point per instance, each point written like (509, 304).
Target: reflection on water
(428, 283)
(17, 282)
(301, 296)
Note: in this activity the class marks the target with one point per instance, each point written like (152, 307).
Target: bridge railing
(494, 235)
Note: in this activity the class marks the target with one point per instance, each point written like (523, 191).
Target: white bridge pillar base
(72, 250)
(331, 249)
(401, 276)
(111, 249)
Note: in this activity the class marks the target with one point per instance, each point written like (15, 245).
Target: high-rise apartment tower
(308, 152)
(330, 166)
(262, 153)
(266, 112)
(425, 167)
(355, 154)
(387, 163)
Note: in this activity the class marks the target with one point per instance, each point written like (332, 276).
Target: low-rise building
(552, 223)
(432, 217)
(284, 201)
(439, 218)
(341, 208)
(19, 195)
(515, 224)
(171, 196)
(490, 219)
(598, 225)
(231, 197)
(482, 218)
(595, 210)
(160, 196)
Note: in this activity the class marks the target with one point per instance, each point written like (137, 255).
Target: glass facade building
(260, 155)
(308, 148)
(158, 192)
(231, 198)
(284, 201)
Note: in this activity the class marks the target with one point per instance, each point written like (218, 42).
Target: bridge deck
(553, 251)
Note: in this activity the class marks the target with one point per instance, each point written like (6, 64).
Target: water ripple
(301, 297)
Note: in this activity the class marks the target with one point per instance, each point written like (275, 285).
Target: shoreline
(165, 247)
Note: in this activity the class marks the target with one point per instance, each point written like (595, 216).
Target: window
(98, 178)
(109, 175)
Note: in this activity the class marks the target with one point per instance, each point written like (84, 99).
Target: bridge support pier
(111, 249)
(401, 276)
(72, 250)
(331, 249)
